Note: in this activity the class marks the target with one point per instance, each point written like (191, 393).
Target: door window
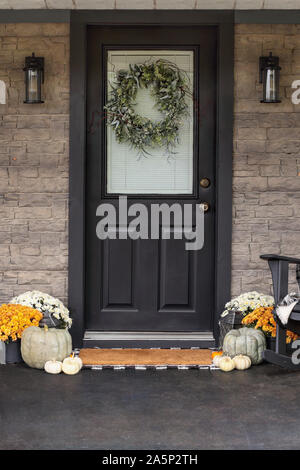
(157, 173)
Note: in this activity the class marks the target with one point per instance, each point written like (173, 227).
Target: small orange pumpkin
(216, 353)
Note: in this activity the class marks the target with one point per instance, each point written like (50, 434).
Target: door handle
(205, 206)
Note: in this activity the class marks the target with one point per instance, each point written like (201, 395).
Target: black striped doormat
(144, 359)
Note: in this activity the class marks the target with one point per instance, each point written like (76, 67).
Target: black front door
(151, 286)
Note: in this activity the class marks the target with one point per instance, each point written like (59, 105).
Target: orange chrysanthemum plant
(262, 318)
(15, 318)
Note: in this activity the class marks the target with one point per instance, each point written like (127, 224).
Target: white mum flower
(44, 303)
(248, 301)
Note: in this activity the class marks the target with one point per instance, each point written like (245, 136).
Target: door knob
(205, 206)
(204, 182)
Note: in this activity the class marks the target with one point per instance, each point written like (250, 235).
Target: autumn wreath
(169, 87)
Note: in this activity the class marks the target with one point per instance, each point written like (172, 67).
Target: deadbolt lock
(205, 206)
(204, 182)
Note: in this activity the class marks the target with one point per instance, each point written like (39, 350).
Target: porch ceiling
(149, 4)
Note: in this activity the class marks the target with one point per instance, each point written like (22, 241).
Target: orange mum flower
(262, 318)
(15, 318)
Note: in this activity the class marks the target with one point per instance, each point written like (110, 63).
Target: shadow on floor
(170, 409)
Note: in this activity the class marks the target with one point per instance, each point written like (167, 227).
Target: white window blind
(127, 173)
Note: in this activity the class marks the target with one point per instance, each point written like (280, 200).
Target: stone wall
(266, 184)
(34, 163)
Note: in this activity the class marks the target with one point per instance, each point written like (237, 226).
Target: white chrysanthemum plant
(246, 303)
(48, 305)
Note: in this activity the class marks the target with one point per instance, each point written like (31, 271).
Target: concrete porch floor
(257, 409)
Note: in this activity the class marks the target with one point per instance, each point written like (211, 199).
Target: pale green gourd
(39, 345)
(246, 341)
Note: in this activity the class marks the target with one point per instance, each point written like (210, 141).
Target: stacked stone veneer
(34, 160)
(266, 184)
(34, 163)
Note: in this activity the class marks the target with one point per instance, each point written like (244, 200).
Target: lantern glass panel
(271, 84)
(33, 86)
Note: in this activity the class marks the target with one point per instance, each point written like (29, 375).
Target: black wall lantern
(34, 77)
(269, 76)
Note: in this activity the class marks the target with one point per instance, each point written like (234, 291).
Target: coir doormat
(145, 358)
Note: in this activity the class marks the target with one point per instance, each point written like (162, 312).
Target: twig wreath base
(169, 87)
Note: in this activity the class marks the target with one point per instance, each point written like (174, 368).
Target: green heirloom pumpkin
(246, 341)
(39, 345)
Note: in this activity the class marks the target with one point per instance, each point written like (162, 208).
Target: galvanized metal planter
(2, 352)
(49, 320)
(13, 352)
(232, 321)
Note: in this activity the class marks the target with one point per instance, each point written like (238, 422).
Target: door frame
(79, 21)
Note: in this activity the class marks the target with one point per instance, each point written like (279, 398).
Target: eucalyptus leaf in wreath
(169, 87)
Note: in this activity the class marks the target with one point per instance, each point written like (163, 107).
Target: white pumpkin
(39, 345)
(53, 367)
(226, 364)
(242, 362)
(71, 365)
(247, 341)
(216, 360)
(77, 358)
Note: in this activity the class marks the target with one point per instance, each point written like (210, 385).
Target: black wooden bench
(279, 266)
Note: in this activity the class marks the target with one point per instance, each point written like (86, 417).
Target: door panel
(118, 274)
(150, 285)
(176, 276)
